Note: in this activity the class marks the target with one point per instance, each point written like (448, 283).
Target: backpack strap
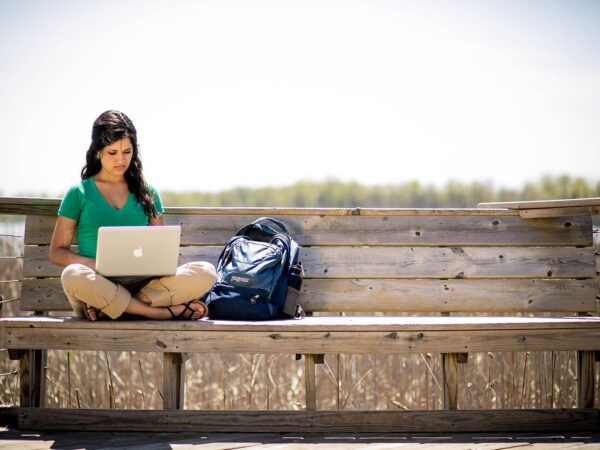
(265, 226)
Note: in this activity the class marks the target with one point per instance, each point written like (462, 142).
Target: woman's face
(116, 157)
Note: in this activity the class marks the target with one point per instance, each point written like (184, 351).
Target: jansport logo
(239, 279)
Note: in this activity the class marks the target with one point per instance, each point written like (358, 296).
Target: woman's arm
(62, 238)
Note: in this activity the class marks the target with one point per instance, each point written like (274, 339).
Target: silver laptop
(143, 251)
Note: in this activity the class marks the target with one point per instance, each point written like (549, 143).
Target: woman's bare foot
(91, 313)
(193, 310)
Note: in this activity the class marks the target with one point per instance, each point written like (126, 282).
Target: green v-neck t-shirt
(87, 206)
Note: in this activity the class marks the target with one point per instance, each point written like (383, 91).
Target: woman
(113, 192)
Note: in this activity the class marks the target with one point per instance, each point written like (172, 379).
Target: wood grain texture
(321, 324)
(585, 379)
(559, 212)
(509, 420)
(451, 262)
(463, 295)
(310, 382)
(450, 380)
(173, 381)
(308, 342)
(373, 230)
(536, 204)
(32, 379)
(396, 295)
(399, 262)
(44, 206)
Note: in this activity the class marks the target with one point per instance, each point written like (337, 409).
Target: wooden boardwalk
(29, 440)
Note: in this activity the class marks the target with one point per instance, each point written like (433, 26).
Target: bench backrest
(382, 260)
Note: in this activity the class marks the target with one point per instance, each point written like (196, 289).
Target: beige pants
(83, 286)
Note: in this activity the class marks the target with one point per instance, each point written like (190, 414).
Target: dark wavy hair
(109, 127)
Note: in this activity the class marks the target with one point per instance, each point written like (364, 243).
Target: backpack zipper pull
(253, 299)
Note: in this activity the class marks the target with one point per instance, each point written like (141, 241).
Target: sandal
(187, 313)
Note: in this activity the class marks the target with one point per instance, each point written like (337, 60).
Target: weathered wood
(396, 295)
(39, 230)
(372, 230)
(360, 261)
(558, 212)
(309, 342)
(535, 420)
(315, 323)
(310, 382)
(464, 295)
(536, 204)
(400, 262)
(32, 380)
(43, 206)
(43, 294)
(450, 380)
(585, 379)
(173, 381)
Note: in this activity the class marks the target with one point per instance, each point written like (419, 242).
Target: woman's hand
(157, 220)
(60, 247)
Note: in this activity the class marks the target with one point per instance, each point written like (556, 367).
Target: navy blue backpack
(252, 274)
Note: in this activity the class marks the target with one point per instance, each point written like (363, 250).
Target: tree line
(333, 193)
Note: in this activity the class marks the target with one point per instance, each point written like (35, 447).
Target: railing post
(173, 380)
(31, 378)
(310, 380)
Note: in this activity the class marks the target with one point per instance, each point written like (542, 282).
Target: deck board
(11, 439)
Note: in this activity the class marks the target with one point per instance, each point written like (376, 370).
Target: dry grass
(251, 381)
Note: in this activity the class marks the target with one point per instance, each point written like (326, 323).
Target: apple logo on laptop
(138, 252)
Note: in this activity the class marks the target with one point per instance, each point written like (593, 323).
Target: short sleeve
(72, 203)
(157, 201)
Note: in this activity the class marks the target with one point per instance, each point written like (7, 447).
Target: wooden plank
(452, 262)
(373, 230)
(37, 262)
(307, 342)
(396, 295)
(43, 294)
(25, 205)
(11, 269)
(173, 381)
(399, 262)
(310, 382)
(507, 420)
(464, 295)
(323, 324)
(44, 206)
(450, 380)
(585, 379)
(559, 212)
(39, 230)
(32, 380)
(535, 204)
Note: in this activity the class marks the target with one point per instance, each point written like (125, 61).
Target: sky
(266, 93)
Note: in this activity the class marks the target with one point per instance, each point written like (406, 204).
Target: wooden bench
(456, 263)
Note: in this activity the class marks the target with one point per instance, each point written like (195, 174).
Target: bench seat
(358, 335)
